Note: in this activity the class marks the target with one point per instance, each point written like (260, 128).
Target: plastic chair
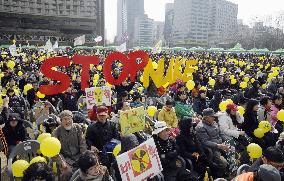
(26, 148)
(243, 169)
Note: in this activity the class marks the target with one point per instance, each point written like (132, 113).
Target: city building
(158, 31)
(37, 21)
(143, 31)
(128, 11)
(222, 21)
(191, 21)
(169, 22)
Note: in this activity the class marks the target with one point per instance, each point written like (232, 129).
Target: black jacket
(13, 136)
(69, 101)
(199, 105)
(31, 97)
(99, 134)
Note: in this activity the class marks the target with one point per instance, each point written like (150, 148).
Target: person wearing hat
(100, 133)
(14, 131)
(168, 114)
(168, 151)
(229, 121)
(71, 137)
(16, 103)
(211, 138)
(31, 94)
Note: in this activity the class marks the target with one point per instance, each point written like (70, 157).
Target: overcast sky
(247, 10)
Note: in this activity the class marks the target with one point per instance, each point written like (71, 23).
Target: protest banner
(140, 163)
(98, 96)
(132, 121)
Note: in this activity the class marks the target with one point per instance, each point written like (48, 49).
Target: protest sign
(140, 163)
(98, 96)
(132, 120)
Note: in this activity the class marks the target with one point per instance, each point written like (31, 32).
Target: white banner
(140, 163)
(79, 40)
(13, 50)
(98, 96)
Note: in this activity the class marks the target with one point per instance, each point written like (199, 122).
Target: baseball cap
(232, 107)
(268, 172)
(209, 112)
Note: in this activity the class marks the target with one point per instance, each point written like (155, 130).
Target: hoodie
(169, 117)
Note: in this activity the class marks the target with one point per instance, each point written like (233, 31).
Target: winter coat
(16, 135)
(250, 123)
(226, 124)
(69, 101)
(209, 135)
(199, 105)
(99, 134)
(263, 114)
(183, 110)
(72, 142)
(169, 117)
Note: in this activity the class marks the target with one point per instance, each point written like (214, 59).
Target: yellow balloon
(43, 136)
(190, 85)
(203, 88)
(28, 87)
(96, 77)
(265, 125)
(243, 85)
(246, 79)
(99, 67)
(252, 80)
(38, 159)
(116, 150)
(254, 150)
(20, 73)
(258, 132)
(151, 110)
(233, 81)
(263, 86)
(11, 64)
(40, 95)
(223, 105)
(280, 115)
(50, 147)
(230, 101)
(212, 82)
(241, 110)
(18, 168)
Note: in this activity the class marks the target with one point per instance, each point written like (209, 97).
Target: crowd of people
(196, 139)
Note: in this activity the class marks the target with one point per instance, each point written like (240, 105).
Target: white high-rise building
(143, 31)
(191, 19)
(169, 22)
(127, 12)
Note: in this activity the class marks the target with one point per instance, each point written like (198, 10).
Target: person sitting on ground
(100, 133)
(200, 103)
(73, 143)
(91, 169)
(38, 171)
(264, 111)
(210, 136)
(168, 152)
(168, 114)
(14, 131)
(182, 108)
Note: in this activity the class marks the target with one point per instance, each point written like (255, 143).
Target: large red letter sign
(85, 61)
(54, 75)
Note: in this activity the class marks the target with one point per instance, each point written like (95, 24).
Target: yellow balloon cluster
(254, 150)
